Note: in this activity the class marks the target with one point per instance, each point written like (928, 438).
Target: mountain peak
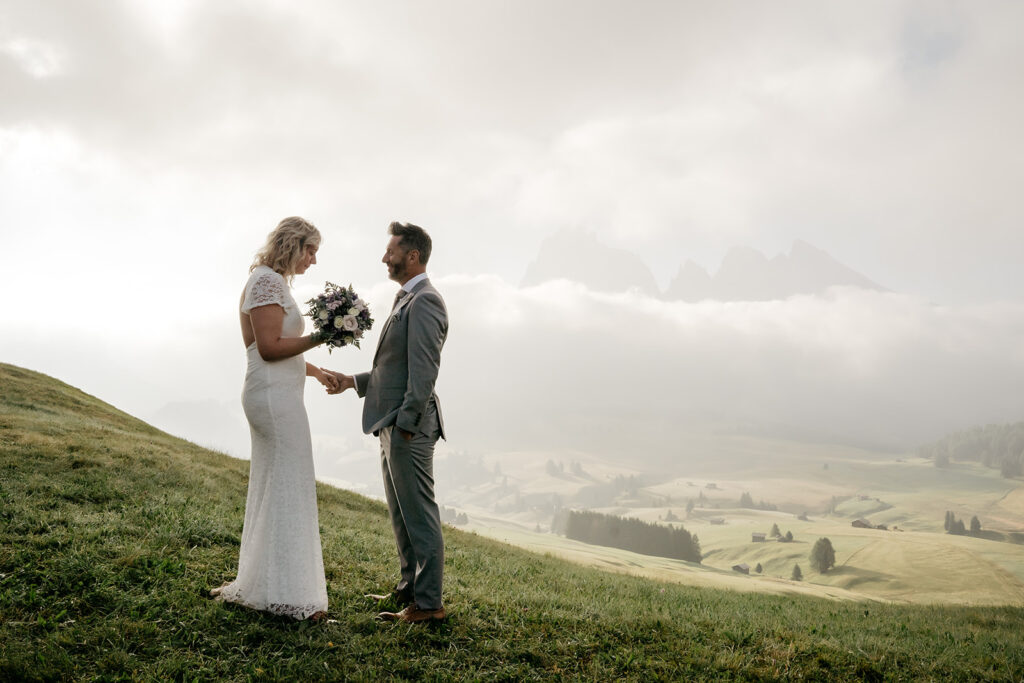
(746, 274)
(577, 254)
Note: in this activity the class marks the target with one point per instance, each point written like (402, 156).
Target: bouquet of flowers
(339, 316)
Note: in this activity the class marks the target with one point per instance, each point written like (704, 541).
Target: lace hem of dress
(229, 593)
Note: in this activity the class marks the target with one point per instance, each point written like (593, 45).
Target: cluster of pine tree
(557, 469)
(956, 526)
(997, 446)
(747, 501)
(629, 534)
(452, 516)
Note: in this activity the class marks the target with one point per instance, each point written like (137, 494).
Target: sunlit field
(913, 560)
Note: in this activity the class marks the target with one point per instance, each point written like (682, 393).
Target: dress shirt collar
(408, 286)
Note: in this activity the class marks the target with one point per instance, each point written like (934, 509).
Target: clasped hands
(337, 382)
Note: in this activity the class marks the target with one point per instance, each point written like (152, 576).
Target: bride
(280, 563)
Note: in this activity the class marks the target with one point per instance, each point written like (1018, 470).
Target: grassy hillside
(111, 532)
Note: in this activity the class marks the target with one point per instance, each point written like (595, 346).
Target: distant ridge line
(745, 273)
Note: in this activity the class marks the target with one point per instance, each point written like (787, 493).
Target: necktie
(398, 297)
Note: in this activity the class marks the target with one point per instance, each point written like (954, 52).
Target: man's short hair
(412, 237)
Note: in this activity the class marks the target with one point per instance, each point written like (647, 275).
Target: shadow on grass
(1016, 537)
(855, 576)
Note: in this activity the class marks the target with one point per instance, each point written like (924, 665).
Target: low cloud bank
(558, 365)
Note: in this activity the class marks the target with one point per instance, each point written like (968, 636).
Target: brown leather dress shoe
(414, 615)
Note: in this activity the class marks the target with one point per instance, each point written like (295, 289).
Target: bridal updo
(286, 244)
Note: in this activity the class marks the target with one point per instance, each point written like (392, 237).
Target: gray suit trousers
(408, 468)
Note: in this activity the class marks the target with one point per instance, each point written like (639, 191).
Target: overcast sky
(146, 148)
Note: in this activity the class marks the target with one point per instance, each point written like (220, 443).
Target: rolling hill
(814, 490)
(111, 532)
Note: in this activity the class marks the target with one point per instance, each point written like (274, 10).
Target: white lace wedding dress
(280, 563)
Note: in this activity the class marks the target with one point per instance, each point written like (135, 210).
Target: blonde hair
(285, 246)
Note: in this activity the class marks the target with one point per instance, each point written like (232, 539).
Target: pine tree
(789, 535)
(758, 568)
(632, 534)
(797, 574)
(975, 526)
(823, 556)
(775, 531)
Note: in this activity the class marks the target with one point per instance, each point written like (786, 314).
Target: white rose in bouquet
(349, 323)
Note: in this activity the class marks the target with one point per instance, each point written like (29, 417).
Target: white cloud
(881, 367)
(38, 59)
(674, 129)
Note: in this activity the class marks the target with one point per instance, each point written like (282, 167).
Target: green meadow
(913, 561)
(112, 532)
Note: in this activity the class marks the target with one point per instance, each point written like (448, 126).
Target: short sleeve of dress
(264, 287)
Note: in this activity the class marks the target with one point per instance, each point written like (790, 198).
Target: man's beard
(397, 271)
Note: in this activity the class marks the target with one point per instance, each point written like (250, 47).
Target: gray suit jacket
(399, 390)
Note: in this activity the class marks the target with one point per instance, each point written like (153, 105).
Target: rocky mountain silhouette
(744, 275)
(578, 255)
(748, 275)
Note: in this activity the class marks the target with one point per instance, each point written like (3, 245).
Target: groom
(400, 407)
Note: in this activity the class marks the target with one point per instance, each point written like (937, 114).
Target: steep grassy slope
(111, 532)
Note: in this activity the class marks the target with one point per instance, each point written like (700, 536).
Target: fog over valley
(557, 366)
